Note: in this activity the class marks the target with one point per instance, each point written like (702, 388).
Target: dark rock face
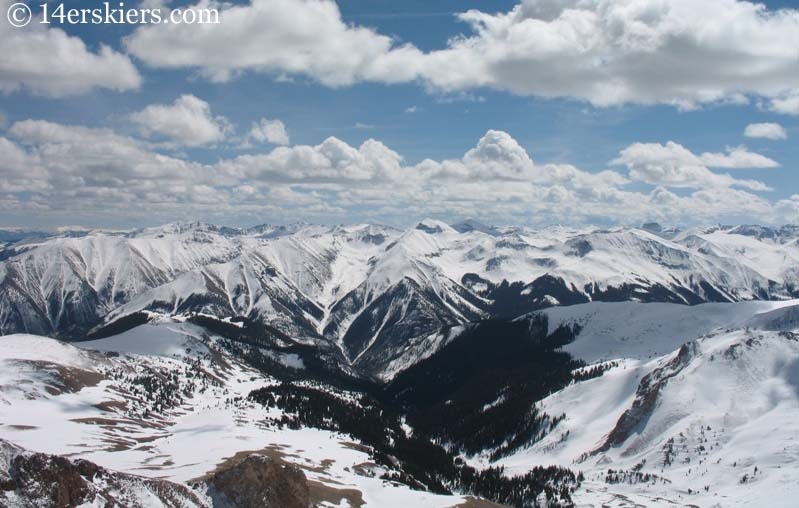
(261, 482)
(54, 479)
(646, 398)
(50, 481)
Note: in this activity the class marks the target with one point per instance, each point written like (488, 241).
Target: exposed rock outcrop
(49, 481)
(259, 481)
(646, 397)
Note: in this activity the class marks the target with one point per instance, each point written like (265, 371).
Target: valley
(392, 372)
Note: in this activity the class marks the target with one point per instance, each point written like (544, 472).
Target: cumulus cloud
(611, 52)
(765, 130)
(607, 52)
(332, 161)
(72, 155)
(73, 171)
(737, 158)
(187, 122)
(788, 208)
(305, 37)
(268, 131)
(786, 103)
(47, 61)
(673, 165)
(498, 155)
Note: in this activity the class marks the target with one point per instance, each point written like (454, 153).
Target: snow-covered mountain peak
(433, 226)
(315, 280)
(187, 227)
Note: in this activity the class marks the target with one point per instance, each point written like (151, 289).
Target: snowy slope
(620, 330)
(79, 402)
(649, 330)
(714, 394)
(717, 416)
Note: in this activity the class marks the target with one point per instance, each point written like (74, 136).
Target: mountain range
(443, 365)
(366, 289)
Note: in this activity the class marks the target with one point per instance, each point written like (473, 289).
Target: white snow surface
(131, 271)
(160, 338)
(611, 330)
(180, 443)
(731, 409)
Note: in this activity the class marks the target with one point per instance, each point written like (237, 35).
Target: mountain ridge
(369, 289)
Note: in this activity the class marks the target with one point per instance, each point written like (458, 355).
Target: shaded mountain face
(368, 291)
(488, 378)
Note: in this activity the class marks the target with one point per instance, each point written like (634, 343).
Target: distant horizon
(66, 228)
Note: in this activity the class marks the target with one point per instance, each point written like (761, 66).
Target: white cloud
(737, 158)
(268, 131)
(788, 208)
(786, 103)
(280, 37)
(607, 52)
(71, 172)
(47, 61)
(187, 122)
(72, 155)
(674, 165)
(765, 130)
(498, 155)
(332, 161)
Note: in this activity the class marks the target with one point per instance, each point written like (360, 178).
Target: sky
(525, 112)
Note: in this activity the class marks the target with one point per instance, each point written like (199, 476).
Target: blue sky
(423, 116)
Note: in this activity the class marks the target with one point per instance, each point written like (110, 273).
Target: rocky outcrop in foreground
(37, 479)
(40, 480)
(258, 481)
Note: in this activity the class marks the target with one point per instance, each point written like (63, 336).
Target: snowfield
(70, 400)
(649, 330)
(718, 428)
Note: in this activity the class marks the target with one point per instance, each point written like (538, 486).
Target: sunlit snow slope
(712, 423)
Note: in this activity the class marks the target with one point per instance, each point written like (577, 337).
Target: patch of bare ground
(146, 439)
(112, 406)
(66, 379)
(321, 493)
(105, 422)
(473, 502)
(356, 446)
(118, 445)
(365, 469)
(257, 481)
(157, 467)
(272, 451)
(111, 423)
